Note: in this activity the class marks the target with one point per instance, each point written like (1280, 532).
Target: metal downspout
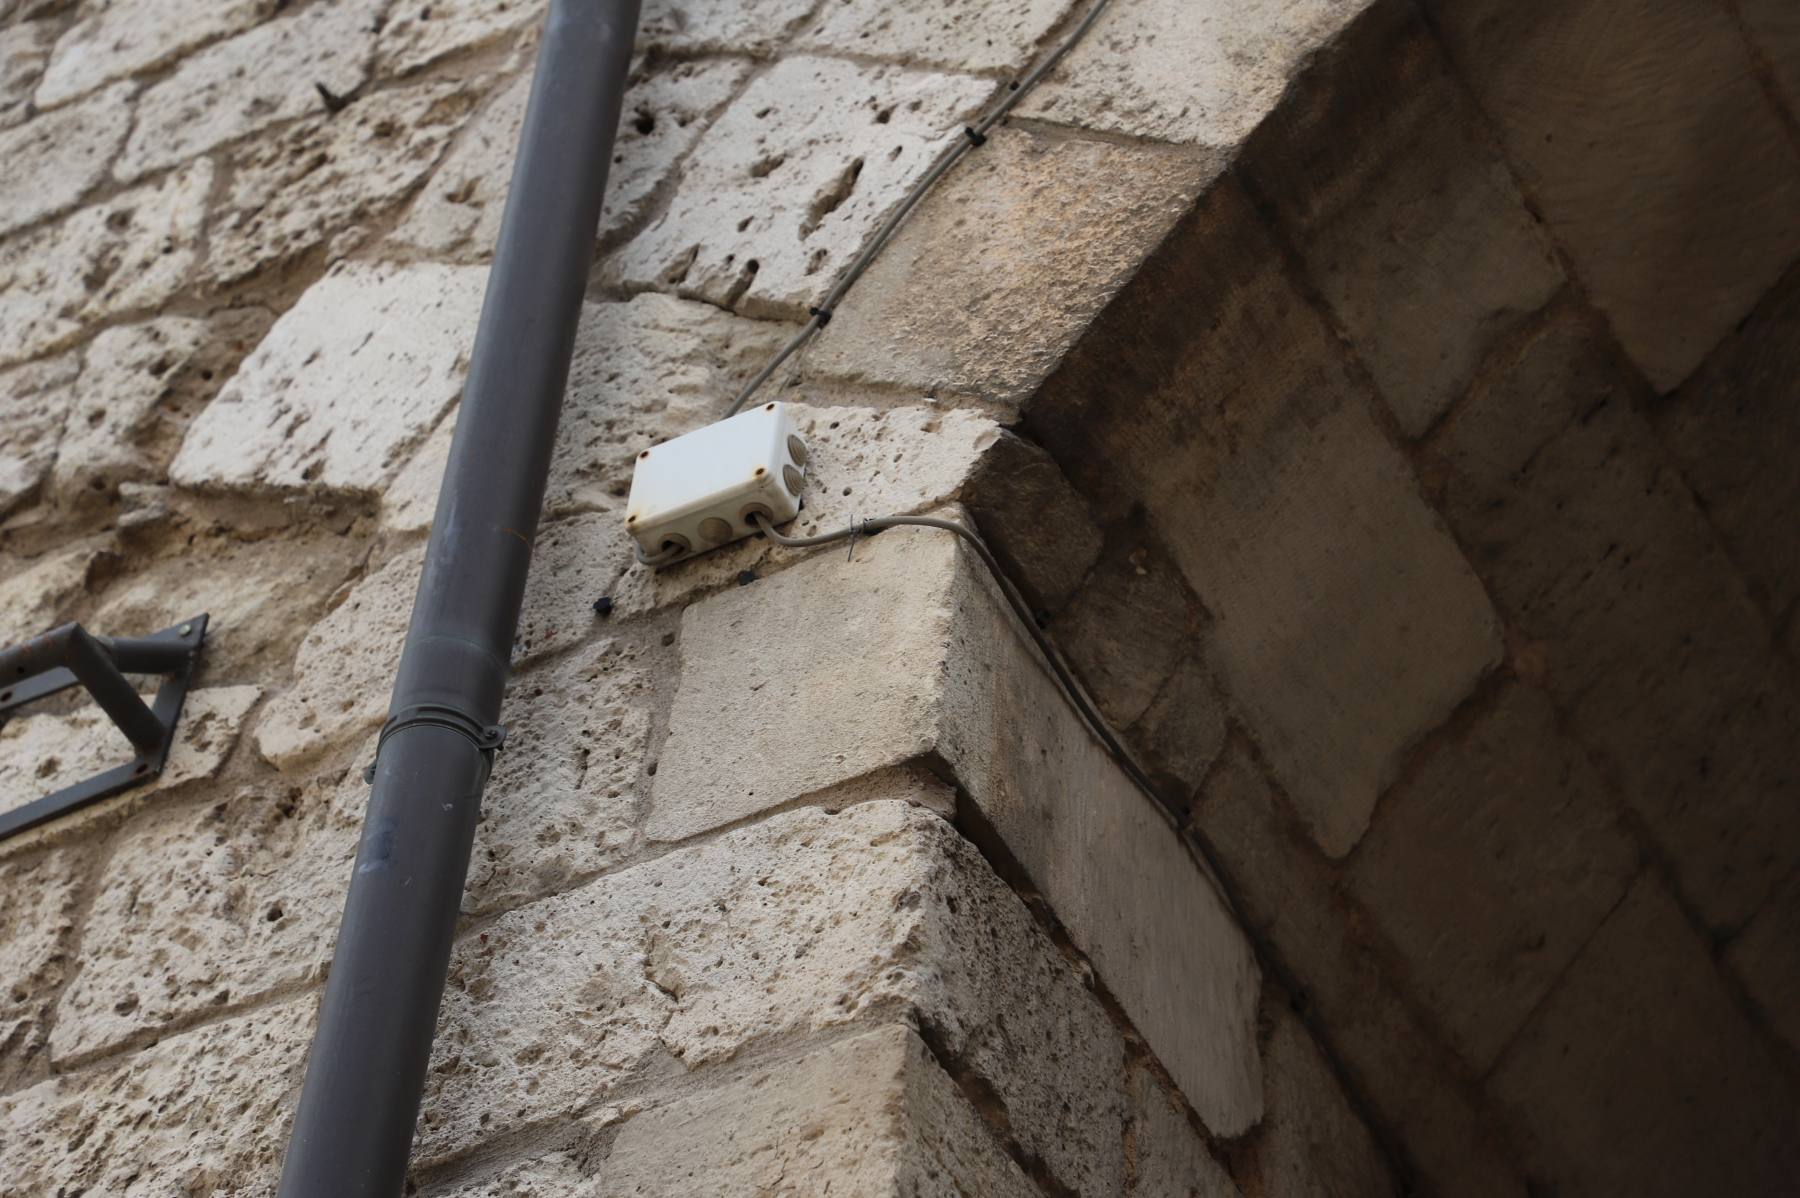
(353, 1130)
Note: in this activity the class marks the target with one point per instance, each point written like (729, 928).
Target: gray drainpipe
(354, 1127)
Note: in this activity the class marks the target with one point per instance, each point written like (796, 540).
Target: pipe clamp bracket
(489, 738)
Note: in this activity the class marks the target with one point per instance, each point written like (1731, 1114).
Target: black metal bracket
(71, 656)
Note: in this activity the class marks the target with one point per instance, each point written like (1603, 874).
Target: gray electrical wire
(973, 136)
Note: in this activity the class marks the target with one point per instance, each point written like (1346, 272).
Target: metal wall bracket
(71, 656)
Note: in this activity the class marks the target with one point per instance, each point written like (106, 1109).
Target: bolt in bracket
(70, 656)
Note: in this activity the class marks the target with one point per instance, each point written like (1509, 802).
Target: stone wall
(1423, 537)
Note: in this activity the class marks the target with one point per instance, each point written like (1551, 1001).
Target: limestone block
(799, 923)
(116, 38)
(1033, 520)
(1774, 29)
(872, 1115)
(458, 213)
(732, 25)
(1346, 623)
(24, 49)
(1727, 427)
(860, 463)
(58, 157)
(263, 596)
(1637, 623)
(417, 34)
(207, 905)
(202, 1113)
(43, 753)
(1288, 893)
(565, 797)
(1765, 957)
(1599, 105)
(1490, 866)
(1123, 629)
(410, 501)
(1311, 1141)
(572, 564)
(985, 287)
(834, 668)
(1202, 71)
(344, 672)
(271, 73)
(37, 930)
(1674, 1096)
(780, 193)
(1409, 224)
(1169, 1159)
(38, 594)
(37, 398)
(128, 253)
(959, 37)
(1181, 733)
(127, 373)
(317, 182)
(349, 379)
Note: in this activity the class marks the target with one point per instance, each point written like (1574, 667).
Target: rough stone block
(1766, 958)
(1288, 894)
(1490, 867)
(343, 674)
(1033, 520)
(738, 26)
(123, 37)
(1203, 71)
(1346, 623)
(270, 73)
(1165, 1157)
(350, 378)
(43, 753)
(983, 290)
(458, 213)
(873, 1115)
(37, 594)
(1599, 105)
(24, 49)
(798, 923)
(1728, 428)
(1311, 1141)
(210, 904)
(860, 463)
(263, 594)
(410, 501)
(38, 396)
(781, 192)
(1182, 732)
(322, 182)
(1409, 224)
(1636, 622)
(127, 373)
(907, 655)
(1665, 1097)
(418, 33)
(129, 253)
(37, 930)
(566, 796)
(1123, 629)
(961, 36)
(202, 1113)
(58, 157)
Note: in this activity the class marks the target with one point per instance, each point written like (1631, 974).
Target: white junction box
(699, 491)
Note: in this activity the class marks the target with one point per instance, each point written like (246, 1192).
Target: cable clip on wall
(70, 655)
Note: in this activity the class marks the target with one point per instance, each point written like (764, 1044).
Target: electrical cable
(973, 136)
(1065, 681)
